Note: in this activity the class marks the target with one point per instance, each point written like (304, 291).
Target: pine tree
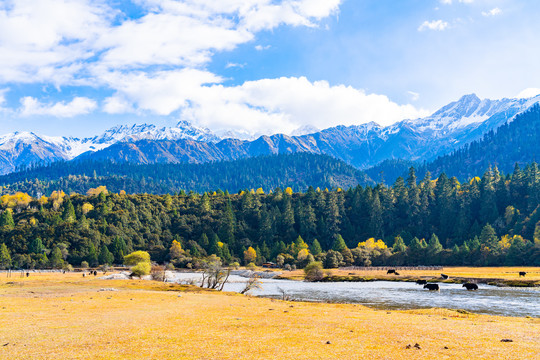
(339, 244)
(5, 257)
(56, 261)
(399, 245)
(36, 246)
(315, 247)
(6, 219)
(69, 212)
(105, 256)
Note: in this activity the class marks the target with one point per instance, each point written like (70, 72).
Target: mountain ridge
(362, 146)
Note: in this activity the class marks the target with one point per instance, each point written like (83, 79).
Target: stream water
(487, 299)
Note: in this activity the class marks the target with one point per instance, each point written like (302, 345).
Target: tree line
(492, 220)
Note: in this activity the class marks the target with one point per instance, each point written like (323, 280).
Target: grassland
(502, 276)
(65, 316)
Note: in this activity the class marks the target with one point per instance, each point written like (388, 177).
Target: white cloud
(282, 105)
(78, 106)
(3, 96)
(437, 25)
(161, 92)
(492, 12)
(449, 2)
(528, 93)
(414, 95)
(261, 47)
(117, 105)
(77, 41)
(234, 65)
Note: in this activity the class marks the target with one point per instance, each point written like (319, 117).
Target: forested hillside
(514, 142)
(298, 171)
(491, 220)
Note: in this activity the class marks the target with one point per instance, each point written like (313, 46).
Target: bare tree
(284, 295)
(214, 276)
(252, 283)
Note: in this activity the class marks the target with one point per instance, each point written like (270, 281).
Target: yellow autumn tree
(97, 191)
(371, 244)
(175, 250)
(87, 207)
(250, 255)
(260, 191)
(302, 254)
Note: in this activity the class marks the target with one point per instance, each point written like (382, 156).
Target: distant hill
(298, 171)
(515, 142)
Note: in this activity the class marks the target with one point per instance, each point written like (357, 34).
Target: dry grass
(483, 273)
(55, 316)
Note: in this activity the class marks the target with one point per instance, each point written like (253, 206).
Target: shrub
(158, 273)
(142, 268)
(84, 265)
(137, 257)
(314, 271)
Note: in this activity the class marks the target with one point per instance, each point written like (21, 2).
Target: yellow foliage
(33, 221)
(43, 200)
(339, 189)
(220, 244)
(505, 242)
(303, 254)
(176, 250)
(20, 200)
(86, 208)
(259, 191)
(122, 192)
(97, 191)
(250, 255)
(372, 244)
(57, 196)
(137, 257)
(288, 191)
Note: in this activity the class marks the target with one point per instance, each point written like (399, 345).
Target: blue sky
(78, 67)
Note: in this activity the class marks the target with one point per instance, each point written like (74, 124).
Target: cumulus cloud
(437, 25)
(282, 105)
(492, 12)
(156, 63)
(78, 106)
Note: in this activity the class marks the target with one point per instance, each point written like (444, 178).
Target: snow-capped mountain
(21, 149)
(454, 125)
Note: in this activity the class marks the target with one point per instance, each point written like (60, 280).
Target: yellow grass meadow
(66, 316)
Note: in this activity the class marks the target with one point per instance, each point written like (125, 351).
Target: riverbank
(497, 276)
(66, 316)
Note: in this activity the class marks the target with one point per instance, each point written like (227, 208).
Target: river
(493, 300)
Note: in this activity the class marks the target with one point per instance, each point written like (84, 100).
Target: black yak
(522, 273)
(391, 271)
(444, 276)
(470, 286)
(421, 282)
(432, 287)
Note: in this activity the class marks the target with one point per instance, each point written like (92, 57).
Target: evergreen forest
(489, 220)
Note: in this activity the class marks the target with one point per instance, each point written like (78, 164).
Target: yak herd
(435, 287)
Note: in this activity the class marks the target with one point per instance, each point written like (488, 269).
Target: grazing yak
(470, 286)
(432, 287)
(421, 282)
(391, 271)
(522, 273)
(444, 276)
